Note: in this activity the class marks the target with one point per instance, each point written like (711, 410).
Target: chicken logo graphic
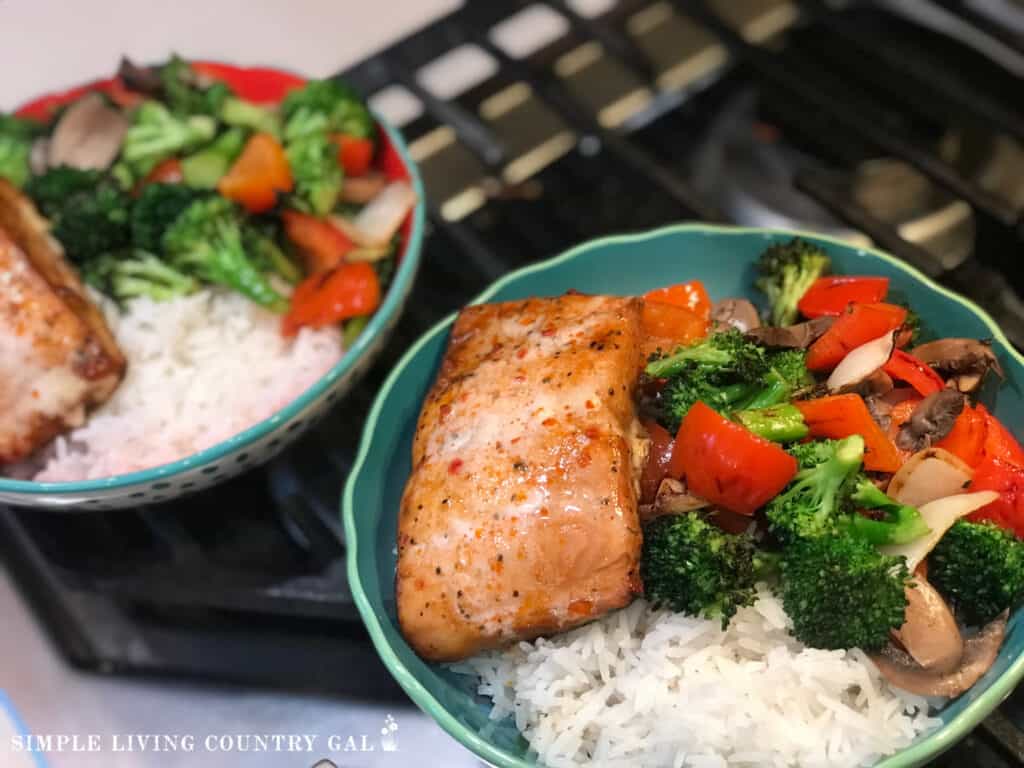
(389, 735)
(325, 764)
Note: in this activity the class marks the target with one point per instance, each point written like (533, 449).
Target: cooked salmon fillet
(520, 516)
(57, 356)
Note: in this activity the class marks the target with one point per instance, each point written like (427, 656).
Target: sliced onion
(929, 475)
(861, 362)
(939, 515)
(377, 223)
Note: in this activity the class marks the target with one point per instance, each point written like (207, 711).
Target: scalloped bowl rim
(929, 746)
(395, 297)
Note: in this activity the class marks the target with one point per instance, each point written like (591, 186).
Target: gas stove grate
(603, 129)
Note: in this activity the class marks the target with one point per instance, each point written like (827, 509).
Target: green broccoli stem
(767, 566)
(205, 168)
(244, 114)
(777, 391)
(901, 524)
(664, 367)
(781, 423)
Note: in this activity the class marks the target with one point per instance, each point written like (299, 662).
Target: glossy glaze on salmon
(520, 516)
(57, 356)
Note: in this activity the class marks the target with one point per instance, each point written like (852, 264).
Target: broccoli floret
(16, 136)
(979, 567)
(812, 504)
(88, 213)
(156, 134)
(841, 592)
(206, 241)
(897, 523)
(245, 114)
(786, 272)
(696, 568)
(318, 175)
(155, 210)
(726, 371)
(725, 351)
(325, 105)
(260, 241)
(127, 276)
(812, 454)
(791, 365)
(183, 93)
(52, 189)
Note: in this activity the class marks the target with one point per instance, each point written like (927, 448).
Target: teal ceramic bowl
(264, 440)
(723, 259)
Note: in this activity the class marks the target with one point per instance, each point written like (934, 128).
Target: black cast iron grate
(599, 131)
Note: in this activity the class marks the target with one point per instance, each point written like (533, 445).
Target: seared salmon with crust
(520, 516)
(57, 356)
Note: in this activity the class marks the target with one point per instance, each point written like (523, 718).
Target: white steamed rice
(201, 368)
(645, 688)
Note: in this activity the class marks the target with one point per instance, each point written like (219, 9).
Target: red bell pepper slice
(859, 324)
(832, 295)
(323, 245)
(839, 416)
(1008, 510)
(919, 375)
(728, 464)
(259, 173)
(354, 154)
(999, 441)
(672, 323)
(967, 438)
(348, 290)
(691, 295)
(657, 461)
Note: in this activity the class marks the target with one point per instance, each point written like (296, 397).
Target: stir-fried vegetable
(259, 175)
(832, 295)
(693, 567)
(206, 239)
(728, 464)
(16, 138)
(841, 592)
(156, 134)
(979, 567)
(326, 298)
(859, 324)
(692, 296)
(839, 416)
(786, 272)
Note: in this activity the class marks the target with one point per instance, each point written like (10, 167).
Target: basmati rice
(644, 688)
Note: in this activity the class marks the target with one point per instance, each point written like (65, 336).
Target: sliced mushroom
(931, 420)
(964, 361)
(88, 135)
(734, 313)
(861, 363)
(141, 79)
(672, 499)
(799, 336)
(979, 654)
(929, 632)
(362, 189)
(871, 387)
(928, 475)
(879, 407)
